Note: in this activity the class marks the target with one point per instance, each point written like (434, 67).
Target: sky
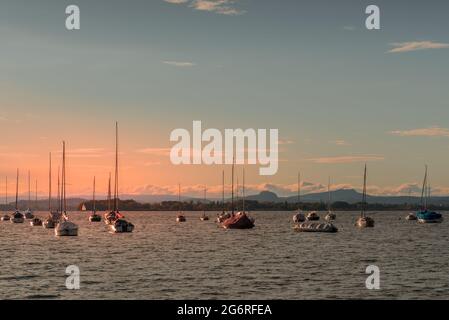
(340, 95)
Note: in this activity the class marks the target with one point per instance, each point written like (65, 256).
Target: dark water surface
(197, 260)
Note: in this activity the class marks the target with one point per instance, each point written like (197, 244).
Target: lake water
(198, 260)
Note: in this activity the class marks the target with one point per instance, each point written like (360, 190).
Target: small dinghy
(411, 217)
(181, 218)
(6, 217)
(315, 227)
(364, 221)
(65, 228)
(312, 216)
(115, 219)
(17, 217)
(94, 217)
(204, 218)
(36, 222)
(299, 216)
(425, 215)
(239, 220)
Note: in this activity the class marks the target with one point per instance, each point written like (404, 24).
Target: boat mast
(364, 194)
(329, 195)
(35, 198)
(423, 191)
(116, 169)
(49, 185)
(6, 193)
(299, 190)
(59, 190)
(179, 196)
(93, 197)
(222, 192)
(63, 178)
(17, 189)
(205, 191)
(109, 193)
(243, 191)
(29, 189)
(232, 186)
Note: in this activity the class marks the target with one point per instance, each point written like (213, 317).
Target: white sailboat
(94, 217)
(299, 216)
(6, 217)
(28, 213)
(65, 227)
(364, 221)
(115, 219)
(180, 217)
(331, 216)
(204, 216)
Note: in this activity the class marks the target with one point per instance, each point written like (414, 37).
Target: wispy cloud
(225, 7)
(416, 45)
(182, 64)
(347, 159)
(155, 151)
(423, 132)
(341, 142)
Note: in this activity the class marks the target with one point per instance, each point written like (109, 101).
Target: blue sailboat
(425, 215)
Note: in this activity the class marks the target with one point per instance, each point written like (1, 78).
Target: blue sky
(310, 68)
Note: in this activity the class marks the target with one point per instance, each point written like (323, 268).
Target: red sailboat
(239, 220)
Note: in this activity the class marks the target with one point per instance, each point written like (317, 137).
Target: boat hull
(95, 218)
(312, 216)
(316, 227)
(411, 217)
(429, 217)
(6, 218)
(66, 229)
(49, 224)
(36, 222)
(299, 217)
(122, 226)
(365, 222)
(205, 218)
(239, 221)
(180, 219)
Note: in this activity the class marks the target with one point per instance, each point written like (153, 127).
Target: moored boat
(411, 217)
(65, 228)
(5, 216)
(94, 217)
(425, 215)
(312, 216)
(299, 216)
(28, 214)
(364, 221)
(180, 216)
(204, 216)
(239, 220)
(17, 217)
(114, 219)
(330, 216)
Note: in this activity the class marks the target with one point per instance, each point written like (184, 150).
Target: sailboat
(223, 215)
(299, 216)
(6, 217)
(65, 227)
(94, 217)
(36, 222)
(204, 216)
(17, 216)
(364, 221)
(425, 215)
(180, 217)
(239, 220)
(115, 219)
(331, 216)
(28, 213)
